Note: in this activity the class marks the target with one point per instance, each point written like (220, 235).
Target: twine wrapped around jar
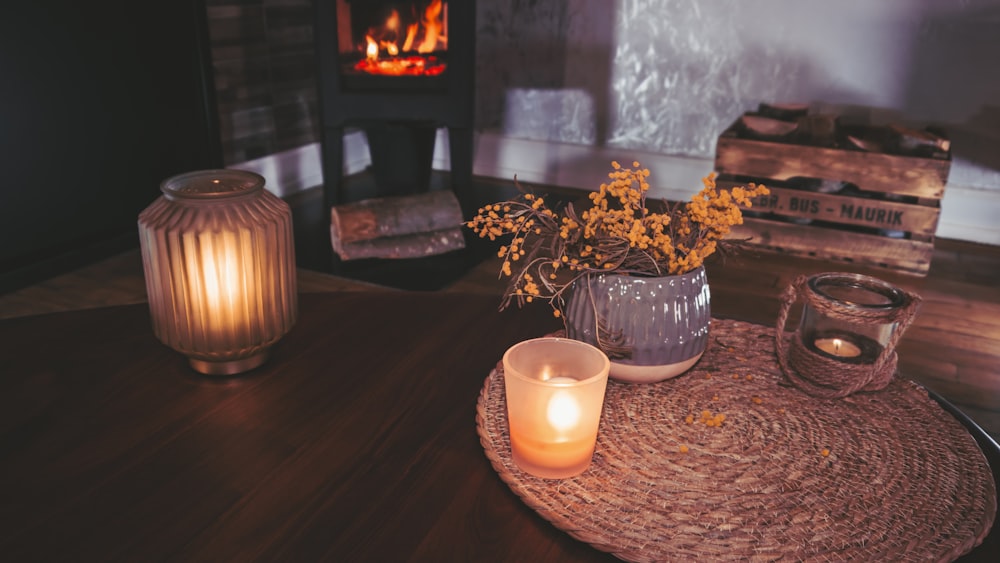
(826, 375)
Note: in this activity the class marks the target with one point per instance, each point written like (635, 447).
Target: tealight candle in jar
(848, 316)
(555, 392)
(846, 340)
(838, 347)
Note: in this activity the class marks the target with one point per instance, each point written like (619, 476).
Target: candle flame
(563, 411)
(219, 288)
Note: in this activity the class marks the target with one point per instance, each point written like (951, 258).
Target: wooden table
(356, 441)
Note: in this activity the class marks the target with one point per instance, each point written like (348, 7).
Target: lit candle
(838, 347)
(563, 412)
(219, 263)
(553, 417)
(220, 302)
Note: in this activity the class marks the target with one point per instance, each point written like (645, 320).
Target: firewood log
(912, 139)
(416, 245)
(397, 227)
(785, 112)
(767, 127)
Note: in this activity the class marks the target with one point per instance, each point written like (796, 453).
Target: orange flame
(385, 40)
(433, 30)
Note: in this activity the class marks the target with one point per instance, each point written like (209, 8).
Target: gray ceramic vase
(651, 328)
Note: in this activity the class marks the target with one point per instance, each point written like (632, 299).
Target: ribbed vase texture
(220, 273)
(662, 320)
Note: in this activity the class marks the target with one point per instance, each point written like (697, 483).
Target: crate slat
(908, 256)
(846, 210)
(894, 174)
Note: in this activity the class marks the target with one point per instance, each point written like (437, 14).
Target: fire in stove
(399, 38)
(401, 106)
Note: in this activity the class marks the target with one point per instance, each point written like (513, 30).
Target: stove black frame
(446, 100)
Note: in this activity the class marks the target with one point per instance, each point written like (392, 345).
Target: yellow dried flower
(618, 232)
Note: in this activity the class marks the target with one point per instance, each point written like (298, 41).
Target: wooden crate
(886, 217)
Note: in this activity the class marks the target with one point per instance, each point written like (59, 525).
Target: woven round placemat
(730, 462)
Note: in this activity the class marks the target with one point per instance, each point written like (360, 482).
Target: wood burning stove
(408, 65)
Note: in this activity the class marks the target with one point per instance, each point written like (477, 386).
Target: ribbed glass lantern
(219, 261)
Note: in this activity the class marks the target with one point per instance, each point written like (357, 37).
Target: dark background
(99, 102)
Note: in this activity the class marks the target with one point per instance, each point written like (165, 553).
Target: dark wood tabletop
(355, 442)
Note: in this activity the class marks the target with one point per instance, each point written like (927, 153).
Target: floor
(953, 347)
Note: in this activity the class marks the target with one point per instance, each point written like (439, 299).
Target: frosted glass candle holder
(555, 392)
(219, 263)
